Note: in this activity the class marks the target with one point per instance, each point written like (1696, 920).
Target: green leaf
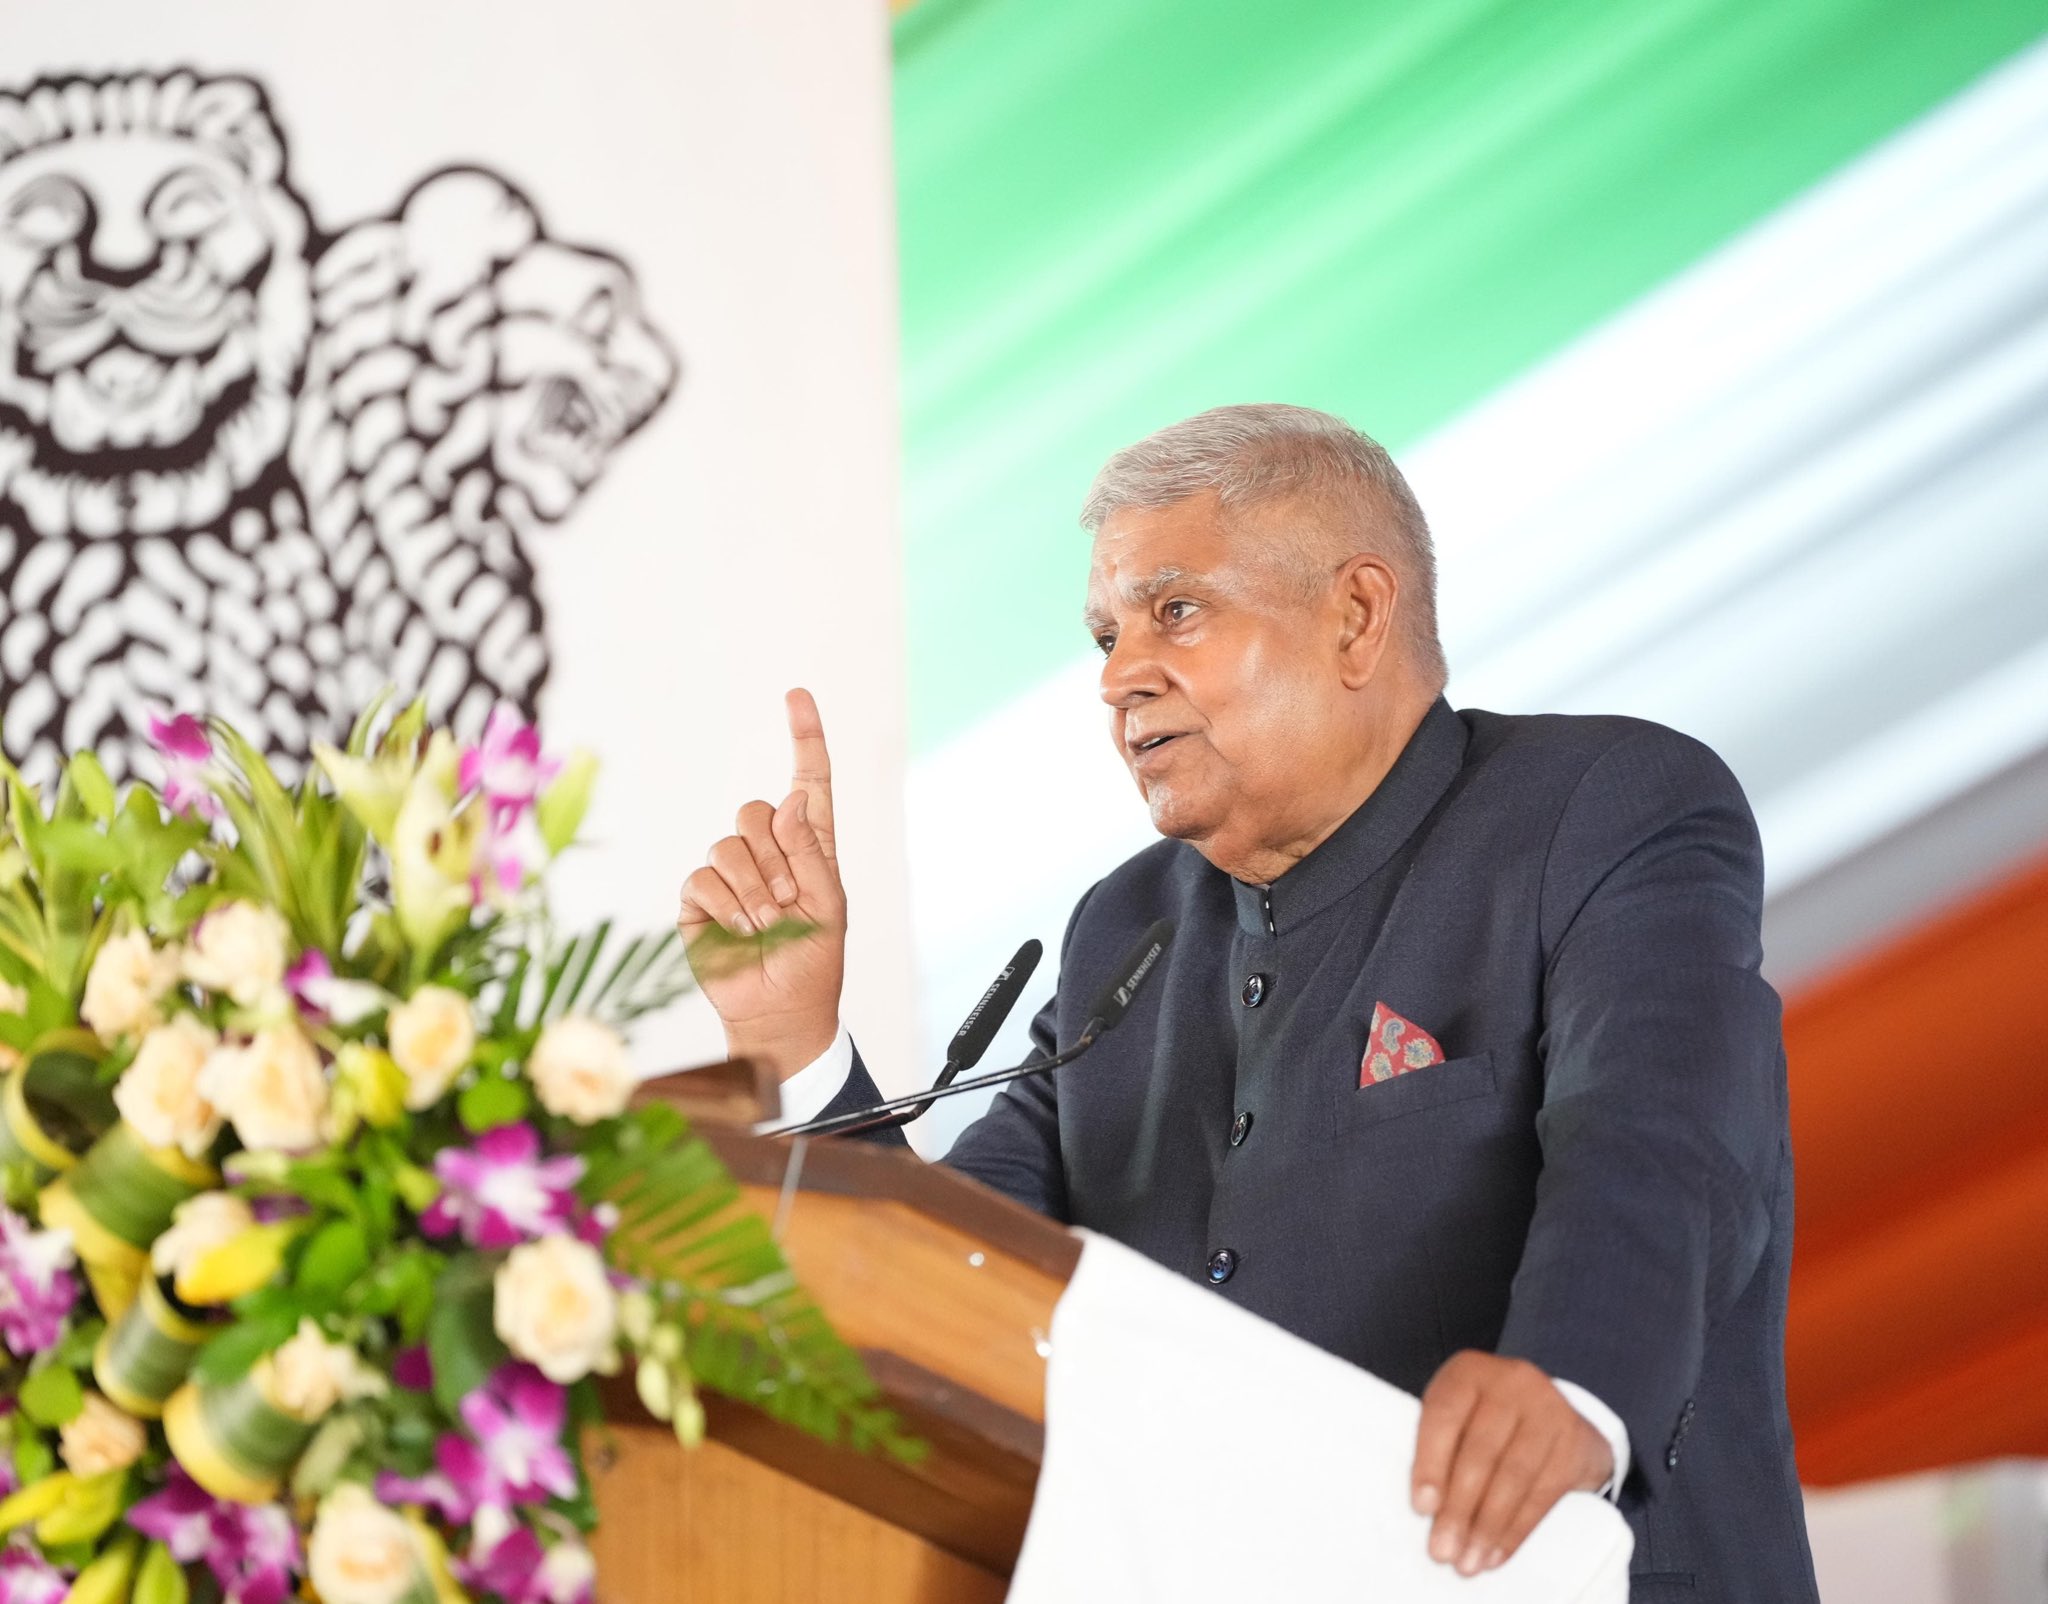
(79, 1340)
(161, 1580)
(334, 1256)
(89, 780)
(491, 1101)
(322, 1183)
(402, 1286)
(34, 1458)
(79, 848)
(233, 1353)
(752, 1332)
(560, 808)
(52, 1396)
(461, 1344)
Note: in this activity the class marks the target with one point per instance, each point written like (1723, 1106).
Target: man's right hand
(782, 1010)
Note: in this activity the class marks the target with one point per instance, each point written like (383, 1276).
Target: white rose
(100, 1438)
(199, 1225)
(309, 1375)
(127, 980)
(158, 1094)
(272, 1091)
(238, 951)
(553, 1306)
(432, 1038)
(362, 1553)
(568, 1574)
(579, 1070)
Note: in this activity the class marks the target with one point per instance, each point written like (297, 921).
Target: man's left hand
(1498, 1446)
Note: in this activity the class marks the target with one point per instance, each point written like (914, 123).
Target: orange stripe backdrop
(1918, 1333)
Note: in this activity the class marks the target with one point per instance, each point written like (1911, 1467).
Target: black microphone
(977, 1030)
(1109, 1009)
(1124, 982)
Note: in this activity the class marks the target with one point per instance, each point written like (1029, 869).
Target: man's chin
(1178, 816)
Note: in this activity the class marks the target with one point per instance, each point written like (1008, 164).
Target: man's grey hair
(1249, 455)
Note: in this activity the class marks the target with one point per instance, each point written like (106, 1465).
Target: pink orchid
(506, 1561)
(501, 1192)
(517, 1419)
(37, 1288)
(510, 855)
(507, 766)
(184, 749)
(412, 1369)
(509, 771)
(513, 1456)
(309, 981)
(27, 1578)
(594, 1224)
(253, 1551)
(501, 1564)
(323, 996)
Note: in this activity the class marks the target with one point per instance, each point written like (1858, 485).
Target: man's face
(1221, 677)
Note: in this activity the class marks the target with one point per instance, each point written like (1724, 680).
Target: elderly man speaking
(1461, 1066)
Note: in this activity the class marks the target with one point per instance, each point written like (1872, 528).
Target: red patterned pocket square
(1395, 1046)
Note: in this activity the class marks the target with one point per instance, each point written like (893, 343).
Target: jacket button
(1671, 1460)
(1255, 990)
(1240, 1128)
(1222, 1266)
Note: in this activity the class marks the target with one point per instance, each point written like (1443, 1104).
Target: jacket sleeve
(861, 1092)
(1663, 1117)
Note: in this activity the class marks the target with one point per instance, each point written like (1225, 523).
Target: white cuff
(809, 1092)
(1605, 1421)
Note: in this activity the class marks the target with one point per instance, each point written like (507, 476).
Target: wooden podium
(947, 1290)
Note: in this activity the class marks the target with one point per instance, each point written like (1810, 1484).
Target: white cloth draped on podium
(1195, 1452)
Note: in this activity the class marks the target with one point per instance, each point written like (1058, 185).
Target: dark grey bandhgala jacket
(1596, 1178)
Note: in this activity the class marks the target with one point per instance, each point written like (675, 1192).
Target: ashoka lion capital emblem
(255, 469)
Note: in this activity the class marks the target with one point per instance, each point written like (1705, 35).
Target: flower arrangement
(327, 1203)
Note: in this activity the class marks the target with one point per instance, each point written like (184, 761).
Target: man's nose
(1129, 675)
(122, 250)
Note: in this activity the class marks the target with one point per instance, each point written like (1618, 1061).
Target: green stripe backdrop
(1115, 212)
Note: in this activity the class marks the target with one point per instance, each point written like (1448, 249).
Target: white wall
(737, 158)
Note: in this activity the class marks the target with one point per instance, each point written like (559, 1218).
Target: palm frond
(646, 974)
(752, 1333)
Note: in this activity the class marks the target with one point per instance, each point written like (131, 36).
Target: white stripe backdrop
(1791, 502)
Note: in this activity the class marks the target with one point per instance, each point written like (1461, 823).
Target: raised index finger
(811, 766)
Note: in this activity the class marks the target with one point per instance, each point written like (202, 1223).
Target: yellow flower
(198, 1225)
(127, 981)
(100, 1438)
(309, 1374)
(241, 1264)
(362, 1553)
(239, 950)
(159, 1094)
(369, 1080)
(273, 1090)
(553, 1306)
(433, 1036)
(433, 850)
(580, 1071)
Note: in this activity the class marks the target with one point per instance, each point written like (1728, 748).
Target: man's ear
(1368, 591)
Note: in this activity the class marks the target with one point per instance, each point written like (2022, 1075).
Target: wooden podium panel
(947, 1289)
(713, 1526)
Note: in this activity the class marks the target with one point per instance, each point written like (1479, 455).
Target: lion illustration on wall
(253, 468)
